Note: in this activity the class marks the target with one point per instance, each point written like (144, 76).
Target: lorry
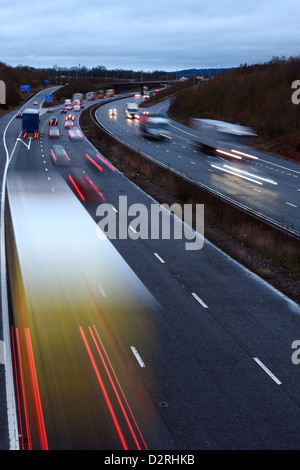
(154, 126)
(90, 96)
(100, 94)
(132, 111)
(30, 123)
(77, 96)
(110, 92)
(223, 138)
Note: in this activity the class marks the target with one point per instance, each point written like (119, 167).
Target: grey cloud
(164, 34)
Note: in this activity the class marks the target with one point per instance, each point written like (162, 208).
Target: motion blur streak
(104, 391)
(223, 152)
(76, 187)
(56, 263)
(106, 162)
(245, 154)
(114, 388)
(66, 154)
(236, 174)
(95, 188)
(267, 180)
(23, 390)
(36, 392)
(93, 161)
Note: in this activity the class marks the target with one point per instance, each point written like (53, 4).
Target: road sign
(48, 97)
(25, 88)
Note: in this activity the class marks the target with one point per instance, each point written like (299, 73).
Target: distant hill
(200, 72)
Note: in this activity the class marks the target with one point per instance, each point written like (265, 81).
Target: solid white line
(199, 300)
(137, 356)
(267, 371)
(290, 204)
(159, 258)
(9, 376)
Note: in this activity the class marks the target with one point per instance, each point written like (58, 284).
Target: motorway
(206, 359)
(279, 202)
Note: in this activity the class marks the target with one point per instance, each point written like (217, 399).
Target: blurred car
(59, 156)
(19, 115)
(69, 124)
(84, 187)
(113, 112)
(35, 103)
(71, 117)
(54, 132)
(146, 96)
(53, 121)
(75, 134)
(63, 110)
(50, 110)
(82, 105)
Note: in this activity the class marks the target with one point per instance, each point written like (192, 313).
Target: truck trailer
(154, 126)
(110, 92)
(77, 96)
(223, 138)
(30, 123)
(90, 96)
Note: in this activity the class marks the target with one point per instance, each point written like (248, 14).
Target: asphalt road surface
(213, 359)
(280, 201)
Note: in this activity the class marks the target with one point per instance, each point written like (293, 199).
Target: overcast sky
(149, 35)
